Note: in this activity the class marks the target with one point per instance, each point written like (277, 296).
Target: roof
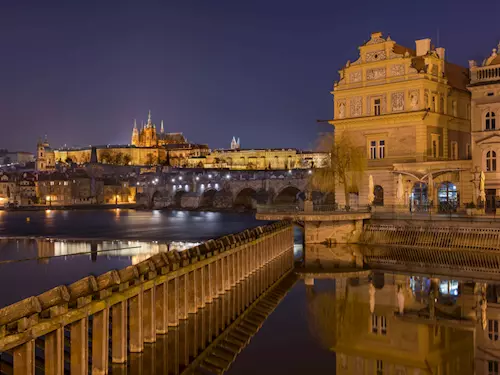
(458, 76)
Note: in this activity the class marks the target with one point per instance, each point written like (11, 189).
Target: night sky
(80, 72)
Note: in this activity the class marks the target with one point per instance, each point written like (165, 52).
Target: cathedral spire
(149, 118)
(135, 124)
(161, 128)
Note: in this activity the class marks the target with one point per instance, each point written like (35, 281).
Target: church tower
(135, 135)
(235, 144)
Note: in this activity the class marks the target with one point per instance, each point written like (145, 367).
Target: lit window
(373, 149)
(65, 183)
(490, 121)
(380, 367)
(383, 325)
(374, 324)
(454, 150)
(493, 331)
(376, 107)
(435, 145)
(433, 108)
(491, 161)
(52, 183)
(381, 149)
(492, 367)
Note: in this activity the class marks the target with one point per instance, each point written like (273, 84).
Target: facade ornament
(342, 109)
(355, 76)
(356, 106)
(398, 101)
(397, 70)
(375, 56)
(414, 96)
(376, 73)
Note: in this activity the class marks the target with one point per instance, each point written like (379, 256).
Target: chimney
(440, 52)
(423, 46)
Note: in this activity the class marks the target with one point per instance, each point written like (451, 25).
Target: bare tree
(346, 165)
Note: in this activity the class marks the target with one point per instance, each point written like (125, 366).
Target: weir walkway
(176, 312)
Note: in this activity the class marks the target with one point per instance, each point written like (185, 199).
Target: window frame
(493, 330)
(491, 163)
(377, 106)
(490, 120)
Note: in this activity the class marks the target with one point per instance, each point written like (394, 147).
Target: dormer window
(490, 121)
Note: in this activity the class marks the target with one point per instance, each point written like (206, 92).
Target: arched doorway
(288, 195)
(378, 194)
(245, 198)
(448, 197)
(207, 198)
(419, 197)
(156, 199)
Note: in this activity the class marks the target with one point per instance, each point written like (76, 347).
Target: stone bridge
(218, 189)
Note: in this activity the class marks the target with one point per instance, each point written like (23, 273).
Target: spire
(149, 118)
(238, 142)
(135, 124)
(161, 129)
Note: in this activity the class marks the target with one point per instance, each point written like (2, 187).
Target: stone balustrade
(135, 304)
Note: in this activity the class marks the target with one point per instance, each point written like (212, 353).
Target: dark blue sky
(81, 71)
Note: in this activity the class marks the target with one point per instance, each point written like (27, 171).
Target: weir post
(136, 334)
(149, 323)
(24, 358)
(79, 347)
(161, 306)
(119, 333)
(173, 302)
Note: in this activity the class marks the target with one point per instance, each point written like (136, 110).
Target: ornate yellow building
(409, 112)
(485, 90)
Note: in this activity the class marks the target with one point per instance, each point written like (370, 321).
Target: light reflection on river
(48, 246)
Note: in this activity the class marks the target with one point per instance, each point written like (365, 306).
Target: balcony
(485, 74)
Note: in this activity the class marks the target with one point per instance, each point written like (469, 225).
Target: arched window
(491, 161)
(490, 121)
(378, 193)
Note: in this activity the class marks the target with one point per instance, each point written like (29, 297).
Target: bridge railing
(132, 305)
(316, 208)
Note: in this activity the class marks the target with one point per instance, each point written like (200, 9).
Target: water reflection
(50, 262)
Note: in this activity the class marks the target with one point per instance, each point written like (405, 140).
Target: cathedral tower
(135, 135)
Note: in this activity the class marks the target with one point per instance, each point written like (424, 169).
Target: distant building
(235, 144)
(45, 158)
(148, 137)
(19, 157)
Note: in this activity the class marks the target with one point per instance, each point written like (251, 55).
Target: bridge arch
(246, 197)
(288, 195)
(178, 198)
(207, 198)
(156, 198)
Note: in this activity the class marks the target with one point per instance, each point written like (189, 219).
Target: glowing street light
(180, 178)
(173, 179)
(197, 178)
(228, 176)
(209, 176)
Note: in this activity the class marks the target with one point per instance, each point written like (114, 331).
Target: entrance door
(490, 200)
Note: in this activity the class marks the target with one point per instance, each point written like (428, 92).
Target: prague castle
(151, 148)
(148, 137)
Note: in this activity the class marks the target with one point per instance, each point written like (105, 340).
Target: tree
(69, 160)
(118, 158)
(346, 165)
(105, 157)
(126, 159)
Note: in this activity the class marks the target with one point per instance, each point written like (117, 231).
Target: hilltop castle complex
(150, 148)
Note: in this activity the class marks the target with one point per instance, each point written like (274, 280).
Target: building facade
(408, 111)
(485, 98)
(148, 137)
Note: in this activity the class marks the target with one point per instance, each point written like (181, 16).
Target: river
(331, 327)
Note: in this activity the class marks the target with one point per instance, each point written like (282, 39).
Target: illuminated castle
(148, 137)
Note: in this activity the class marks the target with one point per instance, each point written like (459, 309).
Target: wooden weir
(99, 321)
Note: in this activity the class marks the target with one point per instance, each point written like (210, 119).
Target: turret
(135, 135)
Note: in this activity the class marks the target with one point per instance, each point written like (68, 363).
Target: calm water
(338, 325)
(106, 240)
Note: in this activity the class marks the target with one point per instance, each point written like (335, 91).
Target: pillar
(54, 352)
(183, 297)
(191, 292)
(209, 282)
(161, 302)
(200, 287)
(173, 302)
(149, 318)
(136, 334)
(79, 351)
(24, 358)
(119, 332)
(100, 342)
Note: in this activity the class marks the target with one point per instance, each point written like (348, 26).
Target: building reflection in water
(136, 250)
(395, 323)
